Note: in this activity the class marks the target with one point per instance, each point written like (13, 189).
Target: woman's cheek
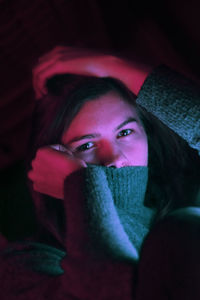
(136, 151)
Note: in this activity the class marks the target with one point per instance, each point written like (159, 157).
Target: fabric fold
(118, 219)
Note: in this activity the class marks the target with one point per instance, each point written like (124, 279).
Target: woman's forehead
(106, 111)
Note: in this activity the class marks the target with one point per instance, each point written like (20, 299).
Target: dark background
(154, 32)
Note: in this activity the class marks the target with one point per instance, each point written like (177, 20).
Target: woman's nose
(110, 155)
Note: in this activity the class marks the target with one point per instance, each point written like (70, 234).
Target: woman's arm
(171, 97)
(89, 63)
(28, 272)
(175, 100)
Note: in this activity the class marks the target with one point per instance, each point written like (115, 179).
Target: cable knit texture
(169, 264)
(117, 216)
(175, 100)
(36, 257)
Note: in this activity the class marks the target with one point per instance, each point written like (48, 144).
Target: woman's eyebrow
(96, 135)
(129, 120)
(84, 137)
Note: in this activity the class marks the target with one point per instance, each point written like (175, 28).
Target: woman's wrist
(131, 74)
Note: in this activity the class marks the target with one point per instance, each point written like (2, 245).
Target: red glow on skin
(110, 133)
(96, 127)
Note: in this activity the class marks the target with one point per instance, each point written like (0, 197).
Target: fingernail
(60, 148)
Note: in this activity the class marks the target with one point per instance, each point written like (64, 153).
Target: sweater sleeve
(42, 272)
(118, 218)
(175, 100)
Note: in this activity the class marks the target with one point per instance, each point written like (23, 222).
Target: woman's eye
(85, 147)
(124, 132)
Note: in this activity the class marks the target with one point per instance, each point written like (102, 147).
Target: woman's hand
(50, 169)
(63, 60)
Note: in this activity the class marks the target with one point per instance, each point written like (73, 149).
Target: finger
(52, 52)
(36, 163)
(30, 175)
(52, 148)
(57, 147)
(53, 56)
(48, 157)
(40, 77)
(61, 148)
(60, 51)
(62, 54)
(37, 187)
(71, 64)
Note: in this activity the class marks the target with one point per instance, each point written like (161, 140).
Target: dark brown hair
(173, 166)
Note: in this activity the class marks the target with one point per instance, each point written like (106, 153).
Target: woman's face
(107, 131)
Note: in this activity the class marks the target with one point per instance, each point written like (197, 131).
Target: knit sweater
(101, 245)
(105, 229)
(118, 218)
(175, 100)
(169, 265)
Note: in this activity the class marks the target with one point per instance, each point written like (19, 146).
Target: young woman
(114, 169)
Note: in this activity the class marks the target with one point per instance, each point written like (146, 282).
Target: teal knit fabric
(174, 100)
(118, 219)
(36, 256)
